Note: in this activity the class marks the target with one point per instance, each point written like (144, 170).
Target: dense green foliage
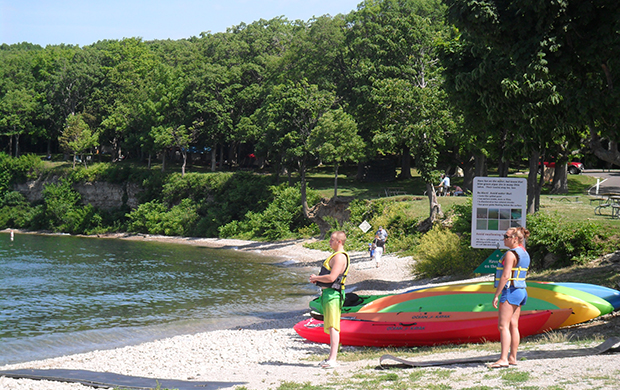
(397, 217)
(570, 244)
(282, 218)
(442, 252)
(17, 170)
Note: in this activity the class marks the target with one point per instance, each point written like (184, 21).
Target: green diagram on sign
(498, 219)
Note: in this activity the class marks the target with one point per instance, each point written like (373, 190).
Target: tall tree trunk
(405, 172)
(184, 155)
(213, 157)
(435, 209)
(533, 184)
(560, 179)
(468, 174)
(481, 165)
(503, 165)
(336, 180)
(163, 161)
(10, 145)
(16, 144)
(221, 157)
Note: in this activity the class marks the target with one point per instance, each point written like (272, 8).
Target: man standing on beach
(331, 279)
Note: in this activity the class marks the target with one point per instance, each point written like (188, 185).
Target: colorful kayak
(586, 302)
(609, 294)
(444, 316)
(353, 302)
(538, 299)
(421, 301)
(604, 306)
(423, 332)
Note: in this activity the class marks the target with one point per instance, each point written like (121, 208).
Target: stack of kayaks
(459, 313)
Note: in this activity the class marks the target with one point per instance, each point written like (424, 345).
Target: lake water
(61, 295)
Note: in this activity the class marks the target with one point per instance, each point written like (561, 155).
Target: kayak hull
(424, 332)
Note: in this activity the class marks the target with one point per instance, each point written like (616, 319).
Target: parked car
(573, 167)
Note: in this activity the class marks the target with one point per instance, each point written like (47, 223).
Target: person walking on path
(511, 294)
(379, 242)
(331, 279)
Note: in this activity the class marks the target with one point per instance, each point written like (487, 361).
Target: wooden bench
(564, 198)
(394, 191)
(598, 199)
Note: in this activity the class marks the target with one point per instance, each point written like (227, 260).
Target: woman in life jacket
(511, 293)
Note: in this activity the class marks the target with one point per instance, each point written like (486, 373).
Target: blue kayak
(609, 294)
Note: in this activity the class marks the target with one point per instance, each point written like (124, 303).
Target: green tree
(77, 137)
(335, 139)
(391, 48)
(125, 66)
(17, 108)
(289, 115)
(560, 60)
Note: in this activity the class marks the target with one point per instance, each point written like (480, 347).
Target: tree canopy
(437, 84)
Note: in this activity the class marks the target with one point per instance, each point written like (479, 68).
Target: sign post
(490, 264)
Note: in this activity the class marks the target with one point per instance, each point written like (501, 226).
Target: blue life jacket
(519, 271)
(338, 284)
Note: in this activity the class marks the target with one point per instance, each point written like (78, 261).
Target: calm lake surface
(61, 295)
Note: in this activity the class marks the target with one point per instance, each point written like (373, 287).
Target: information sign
(498, 203)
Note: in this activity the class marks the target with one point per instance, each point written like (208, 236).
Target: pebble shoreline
(265, 354)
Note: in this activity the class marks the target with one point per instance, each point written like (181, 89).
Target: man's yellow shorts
(331, 302)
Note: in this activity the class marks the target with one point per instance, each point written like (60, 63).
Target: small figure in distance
(379, 242)
(444, 185)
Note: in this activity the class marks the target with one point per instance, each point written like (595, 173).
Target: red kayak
(423, 332)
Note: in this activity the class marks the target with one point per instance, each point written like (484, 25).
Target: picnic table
(611, 200)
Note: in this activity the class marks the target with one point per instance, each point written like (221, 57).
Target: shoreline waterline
(32, 296)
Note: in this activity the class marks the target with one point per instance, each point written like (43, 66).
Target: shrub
(145, 216)
(283, 217)
(62, 211)
(17, 170)
(441, 252)
(15, 212)
(397, 218)
(573, 243)
(59, 203)
(156, 218)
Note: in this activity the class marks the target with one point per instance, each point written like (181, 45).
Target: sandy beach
(268, 353)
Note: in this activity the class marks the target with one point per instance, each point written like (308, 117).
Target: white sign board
(499, 203)
(365, 226)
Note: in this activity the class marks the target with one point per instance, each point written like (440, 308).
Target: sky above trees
(83, 22)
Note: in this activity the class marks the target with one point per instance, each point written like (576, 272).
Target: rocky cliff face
(103, 195)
